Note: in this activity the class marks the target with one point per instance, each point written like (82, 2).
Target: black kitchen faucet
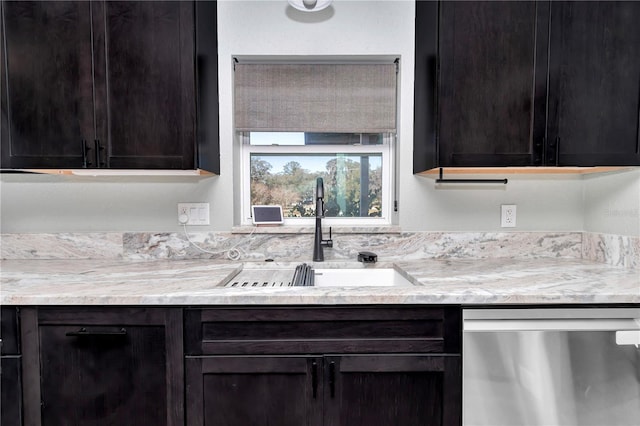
(318, 242)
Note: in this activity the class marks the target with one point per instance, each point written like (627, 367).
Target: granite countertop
(199, 282)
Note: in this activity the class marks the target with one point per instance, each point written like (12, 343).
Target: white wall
(247, 28)
(612, 203)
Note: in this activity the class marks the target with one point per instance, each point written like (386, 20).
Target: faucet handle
(329, 242)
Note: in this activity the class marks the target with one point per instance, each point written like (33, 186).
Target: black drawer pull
(85, 155)
(83, 332)
(314, 378)
(332, 379)
(100, 162)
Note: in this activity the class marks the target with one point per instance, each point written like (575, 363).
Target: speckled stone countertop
(199, 282)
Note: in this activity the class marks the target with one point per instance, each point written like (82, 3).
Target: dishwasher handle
(564, 324)
(551, 319)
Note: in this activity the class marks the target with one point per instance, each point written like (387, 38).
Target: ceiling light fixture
(310, 5)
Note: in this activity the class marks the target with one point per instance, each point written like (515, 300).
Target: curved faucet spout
(319, 188)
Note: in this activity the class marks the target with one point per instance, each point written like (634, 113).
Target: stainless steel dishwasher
(551, 367)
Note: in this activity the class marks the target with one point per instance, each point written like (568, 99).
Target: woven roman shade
(345, 98)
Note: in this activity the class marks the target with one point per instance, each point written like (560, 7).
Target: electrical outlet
(193, 213)
(508, 216)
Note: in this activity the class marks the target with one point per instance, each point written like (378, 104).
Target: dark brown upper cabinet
(525, 83)
(150, 90)
(107, 85)
(488, 87)
(594, 84)
(48, 85)
(425, 86)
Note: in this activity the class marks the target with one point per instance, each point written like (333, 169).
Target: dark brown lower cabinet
(400, 390)
(331, 390)
(10, 391)
(323, 366)
(233, 366)
(247, 390)
(107, 366)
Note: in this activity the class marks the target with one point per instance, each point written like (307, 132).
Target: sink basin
(358, 277)
(281, 275)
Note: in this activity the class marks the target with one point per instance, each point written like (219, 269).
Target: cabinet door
(47, 107)
(594, 83)
(10, 370)
(241, 391)
(492, 83)
(401, 390)
(102, 366)
(146, 85)
(9, 331)
(10, 391)
(208, 123)
(103, 375)
(425, 86)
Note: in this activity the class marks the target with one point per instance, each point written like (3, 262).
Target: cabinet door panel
(490, 90)
(594, 83)
(277, 330)
(240, 391)
(11, 391)
(402, 390)
(47, 110)
(425, 86)
(150, 96)
(99, 378)
(9, 331)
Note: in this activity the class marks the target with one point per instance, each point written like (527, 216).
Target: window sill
(285, 229)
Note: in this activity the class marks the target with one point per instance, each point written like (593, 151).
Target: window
(281, 169)
(298, 122)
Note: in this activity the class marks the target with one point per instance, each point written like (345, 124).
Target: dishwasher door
(551, 367)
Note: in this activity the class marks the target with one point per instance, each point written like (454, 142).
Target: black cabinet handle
(638, 124)
(538, 152)
(638, 129)
(553, 154)
(99, 154)
(314, 378)
(85, 158)
(83, 332)
(332, 379)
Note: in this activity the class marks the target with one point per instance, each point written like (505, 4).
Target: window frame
(386, 150)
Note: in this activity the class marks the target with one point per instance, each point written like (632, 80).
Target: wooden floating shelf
(120, 172)
(521, 170)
